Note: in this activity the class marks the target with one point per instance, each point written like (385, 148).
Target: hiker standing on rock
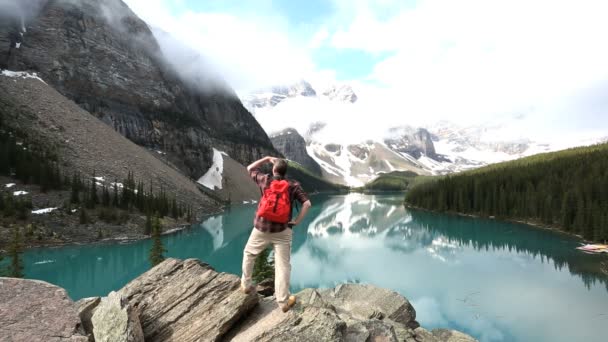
(273, 225)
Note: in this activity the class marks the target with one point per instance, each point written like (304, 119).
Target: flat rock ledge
(186, 300)
(32, 310)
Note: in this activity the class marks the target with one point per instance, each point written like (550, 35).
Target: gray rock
(302, 323)
(265, 288)
(86, 307)
(446, 335)
(187, 301)
(372, 331)
(423, 335)
(32, 310)
(414, 142)
(344, 93)
(293, 146)
(366, 301)
(114, 320)
(349, 312)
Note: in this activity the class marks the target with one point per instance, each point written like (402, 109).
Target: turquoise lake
(494, 280)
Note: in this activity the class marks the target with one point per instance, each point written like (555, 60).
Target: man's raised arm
(256, 164)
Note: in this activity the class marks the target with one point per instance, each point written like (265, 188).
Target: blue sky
(422, 61)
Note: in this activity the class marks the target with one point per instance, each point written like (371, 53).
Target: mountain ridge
(115, 70)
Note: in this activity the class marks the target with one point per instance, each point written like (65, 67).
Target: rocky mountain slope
(189, 301)
(293, 146)
(103, 57)
(35, 112)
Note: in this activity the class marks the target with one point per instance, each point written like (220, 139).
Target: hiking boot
(247, 290)
(290, 303)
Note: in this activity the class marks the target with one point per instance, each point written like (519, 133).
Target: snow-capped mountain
(343, 93)
(275, 95)
(355, 158)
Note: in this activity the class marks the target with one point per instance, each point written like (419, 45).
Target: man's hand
(305, 206)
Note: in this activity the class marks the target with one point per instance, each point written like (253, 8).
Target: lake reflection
(496, 281)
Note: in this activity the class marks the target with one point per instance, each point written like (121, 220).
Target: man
(273, 225)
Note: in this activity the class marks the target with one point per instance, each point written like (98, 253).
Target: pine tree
(115, 195)
(84, 217)
(94, 200)
(263, 267)
(105, 196)
(174, 209)
(157, 250)
(148, 225)
(14, 252)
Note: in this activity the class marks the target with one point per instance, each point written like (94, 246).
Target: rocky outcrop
(32, 310)
(86, 308)
(187, 301)
(114, 320)
(343, 93)
(411, 141)
(275, 95)
(99, 54)
(350, 312)
(292, 145)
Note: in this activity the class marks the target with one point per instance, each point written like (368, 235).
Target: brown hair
(280, 167)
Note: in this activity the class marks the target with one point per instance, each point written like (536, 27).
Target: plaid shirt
(295, 192)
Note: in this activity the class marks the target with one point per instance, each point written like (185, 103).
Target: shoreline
(532, 224)
(120, 239)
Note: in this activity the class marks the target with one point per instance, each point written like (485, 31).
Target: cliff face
(413, 142)
(293, 146)
(99, 54)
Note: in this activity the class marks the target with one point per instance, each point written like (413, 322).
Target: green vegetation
(156, 252)
(392, 181)
(263, 267)
(29, 164)
(311, 182)
(565, 189)
(32, 165)
(15, 250)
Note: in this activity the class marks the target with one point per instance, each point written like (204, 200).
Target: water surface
(496, 281)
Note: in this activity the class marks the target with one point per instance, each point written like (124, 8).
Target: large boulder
(32, 310)
(86, 308)
(349, 312)
(367, 301)
(114, 320)
(303, 323)
(187, 301)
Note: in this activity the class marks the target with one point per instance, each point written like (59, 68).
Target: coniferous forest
(31, 165)
(566, 189)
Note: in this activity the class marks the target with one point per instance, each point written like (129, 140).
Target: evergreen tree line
(14, 268)
(566, 189)
(32, 165)
(128, 196)
(29, 164)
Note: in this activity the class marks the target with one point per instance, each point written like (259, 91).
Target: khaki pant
(281, 243)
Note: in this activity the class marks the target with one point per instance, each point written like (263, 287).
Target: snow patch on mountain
(213, 178)
(21, 74)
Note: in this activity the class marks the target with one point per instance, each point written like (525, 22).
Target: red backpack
(275, 205)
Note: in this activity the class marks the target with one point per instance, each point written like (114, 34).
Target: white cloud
(472, 59)
(251, 51)
(465, 61)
